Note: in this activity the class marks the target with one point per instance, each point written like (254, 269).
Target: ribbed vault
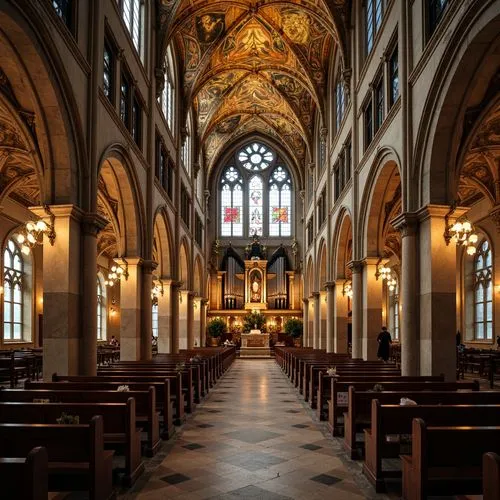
(254, 66)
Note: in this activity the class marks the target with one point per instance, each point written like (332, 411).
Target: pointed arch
(162, 244)
(342, 244)
(184, 267)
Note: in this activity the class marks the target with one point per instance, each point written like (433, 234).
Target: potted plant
(216, 328)
(254, 321)
(294, 328)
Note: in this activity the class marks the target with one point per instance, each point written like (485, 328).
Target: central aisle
(251, 438)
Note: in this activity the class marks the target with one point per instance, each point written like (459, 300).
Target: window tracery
(483, 292)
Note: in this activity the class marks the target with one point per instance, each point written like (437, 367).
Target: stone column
(175, 299)
(190, 320)
(316, 319)
(305, 335)
(146, 330)
(407, 224)
(130, 309)
(165, 318)
(372, 308)
(220, 304)
(437, 274)
(183, 319)
(340, 318)
(203, 322)
(330, 316)
(61, 291)
(356, 267)
(323, 334)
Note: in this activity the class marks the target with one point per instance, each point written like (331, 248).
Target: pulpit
(255, 345)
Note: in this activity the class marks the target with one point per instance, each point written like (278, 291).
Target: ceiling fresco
(253, 66)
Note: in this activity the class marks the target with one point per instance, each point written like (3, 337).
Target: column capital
(310, 167)
(371, 261)
(356, 266)
(93, 223)
(315, 295)
(443, 211)
(406, 223)
(149, 266)
(129, 261)
(69, 210)
(305, 301)
(330, 285)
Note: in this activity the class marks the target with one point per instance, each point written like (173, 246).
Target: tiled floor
(252, 438)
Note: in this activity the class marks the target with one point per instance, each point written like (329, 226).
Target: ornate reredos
(258, 67)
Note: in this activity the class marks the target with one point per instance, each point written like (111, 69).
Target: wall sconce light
(32, 233)
(461, 232)
(112, 309)
(347, 289)
(383, 271)
(116, 274)
(392, 283)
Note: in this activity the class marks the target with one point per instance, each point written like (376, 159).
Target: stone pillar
(146, 330)
(190, 320)
(203, 322)
(183, 319)
(330, 316)
(323, 334)
(305, 336)
(372, 308)
(438, 271)
(220, 305)
(91, 225)
(130, 309)
(175, 299)
(165, 318)
(408, 292)
(340, 318)
(357, 308)
(316, 319)
(61, 291)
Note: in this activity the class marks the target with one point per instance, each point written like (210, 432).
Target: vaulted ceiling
(254, 67)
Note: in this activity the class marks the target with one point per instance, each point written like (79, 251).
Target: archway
(321, 302)
(186, 338)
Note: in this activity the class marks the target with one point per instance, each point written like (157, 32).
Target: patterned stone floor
(252, 438)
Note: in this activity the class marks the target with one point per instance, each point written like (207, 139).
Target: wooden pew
(168, 388)
(25, 479)
(147, 408)
(76, 454)
(120, 429)
(359, 412)
(491, 476)
(396, 419)
(446, 460)
(338, 402)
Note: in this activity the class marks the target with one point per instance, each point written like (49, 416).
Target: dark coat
(384, 344)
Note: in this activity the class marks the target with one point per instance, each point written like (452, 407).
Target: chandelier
(32, 233)
(384, 272)
(462, 233)
(391, 284)
(115, 275)
(347, 289)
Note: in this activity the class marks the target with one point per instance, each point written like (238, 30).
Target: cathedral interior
(165, 164)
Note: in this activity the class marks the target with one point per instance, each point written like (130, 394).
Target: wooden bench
(338, 402)
(491, 476)
(120, 429)
(168, 388)
(77, 459)
(25, 479)
(359, 412)
(446, 460)
(397, 420)
(147, 406)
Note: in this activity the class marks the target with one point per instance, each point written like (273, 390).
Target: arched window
(154, 318)
(483, 292)
(101, 309)
(133, 17)
(16, 299)
(280, 203)
(256, 183)
(186, 146)
(232, 203)
(394, 312)
(167, 97)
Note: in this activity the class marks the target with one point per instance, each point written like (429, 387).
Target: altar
(255, 345)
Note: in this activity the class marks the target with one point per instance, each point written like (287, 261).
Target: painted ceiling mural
(254, 66)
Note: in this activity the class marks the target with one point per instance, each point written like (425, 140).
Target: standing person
(458, 338)
(498, 341)
(384, 342)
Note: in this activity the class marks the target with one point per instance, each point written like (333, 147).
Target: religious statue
(255, 295)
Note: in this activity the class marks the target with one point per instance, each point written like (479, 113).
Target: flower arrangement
(294, 327)
(68, 419)
(179, 367)
(123, 388)
(332, 371)
(254, 321)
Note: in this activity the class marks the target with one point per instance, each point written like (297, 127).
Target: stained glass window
(483, 293)
(256, 157)
(231, 203)
(256, 202)
(13, 288)
(280, 203)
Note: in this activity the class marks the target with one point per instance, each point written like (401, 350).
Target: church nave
(251, 438)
